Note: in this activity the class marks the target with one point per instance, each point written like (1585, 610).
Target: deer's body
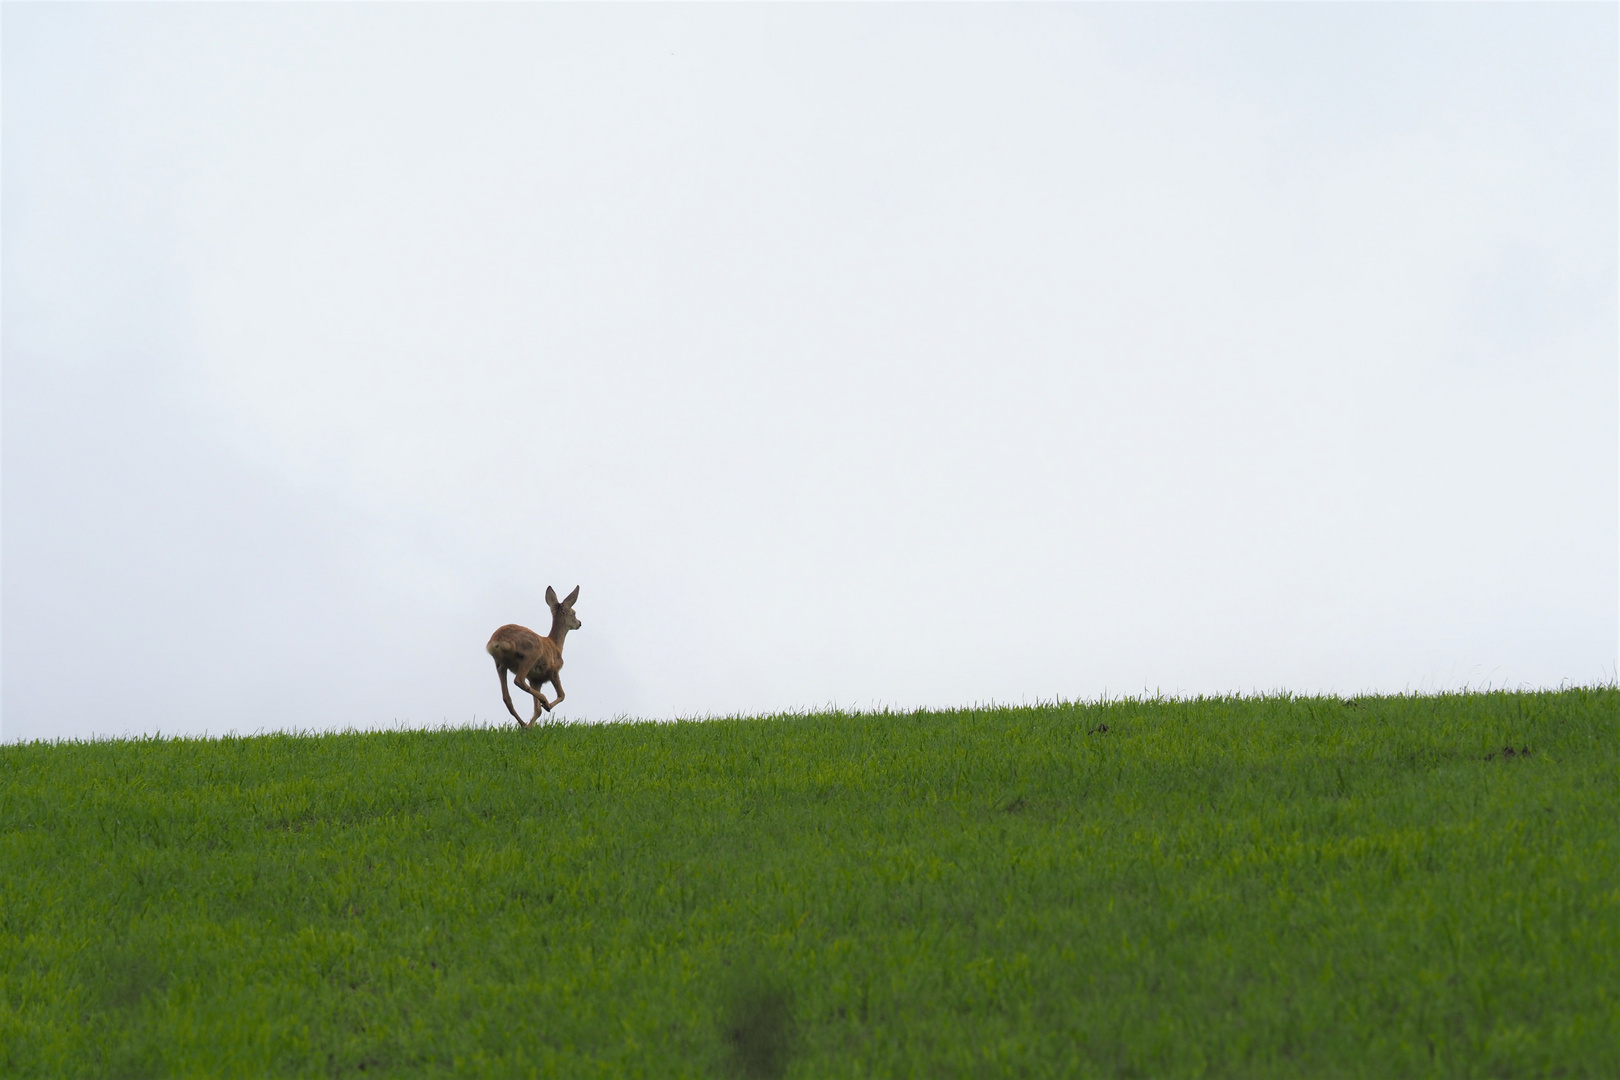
(534, 660)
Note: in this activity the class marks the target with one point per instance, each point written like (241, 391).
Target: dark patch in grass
(370, 1063)
(759, 1028)
(1014, 805)
(1509, 752)
(1100, 729)
(129, 978)
(132, 1061)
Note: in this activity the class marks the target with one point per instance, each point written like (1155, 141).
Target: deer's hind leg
(506, 695)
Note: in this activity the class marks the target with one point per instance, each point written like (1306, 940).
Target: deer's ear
(551, 596)
(572, 597)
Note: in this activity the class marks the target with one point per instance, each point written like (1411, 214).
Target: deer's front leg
(540, 702)
(523, 683)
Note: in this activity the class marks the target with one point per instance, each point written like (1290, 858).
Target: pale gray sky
(869, 355)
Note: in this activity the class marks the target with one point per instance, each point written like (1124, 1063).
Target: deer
(534, 660)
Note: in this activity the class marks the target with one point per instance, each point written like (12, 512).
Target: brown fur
(534, 660)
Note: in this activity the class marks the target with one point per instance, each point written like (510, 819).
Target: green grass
(1237, 887)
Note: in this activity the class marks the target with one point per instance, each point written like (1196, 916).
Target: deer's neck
(559, 630)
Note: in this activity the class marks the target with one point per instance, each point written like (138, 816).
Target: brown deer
(534, 660)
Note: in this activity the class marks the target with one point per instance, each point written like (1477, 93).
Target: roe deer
(534, 660)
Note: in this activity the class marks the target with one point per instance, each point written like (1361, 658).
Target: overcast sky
(859, 355)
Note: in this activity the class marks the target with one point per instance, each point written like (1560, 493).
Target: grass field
(1238, 887)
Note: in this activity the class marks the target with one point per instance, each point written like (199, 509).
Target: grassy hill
(1382, 887)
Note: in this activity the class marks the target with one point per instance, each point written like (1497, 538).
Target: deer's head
(562, 611)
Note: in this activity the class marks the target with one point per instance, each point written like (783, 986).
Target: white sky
(868, 355)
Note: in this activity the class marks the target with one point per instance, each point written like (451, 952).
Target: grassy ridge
(1239, 887)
